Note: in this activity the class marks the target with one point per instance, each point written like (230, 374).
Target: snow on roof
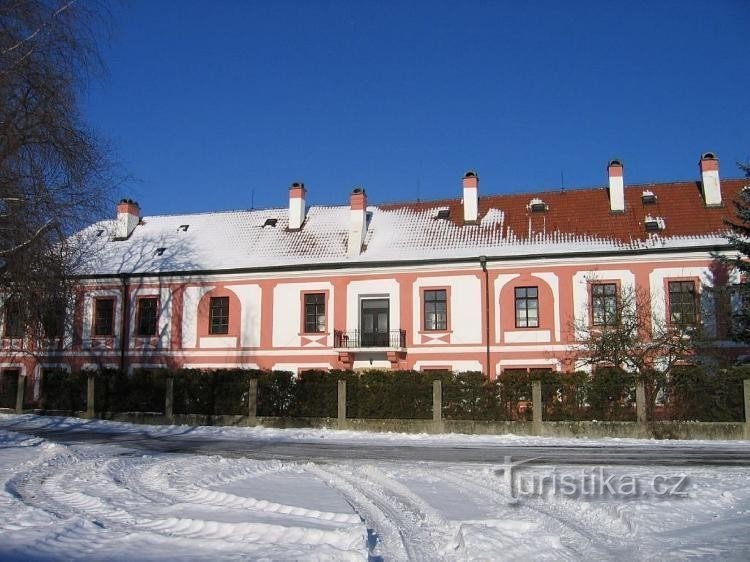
(576, 221)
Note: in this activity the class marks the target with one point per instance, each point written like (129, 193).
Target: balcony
(356, 339)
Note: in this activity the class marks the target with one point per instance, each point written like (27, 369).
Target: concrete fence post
(746, 392)
(252, 401)
(342, 404)
(640, 402)
(437, 404)
(20, 388)
(536, 407)
(169, 399)
(641, 416)
(90, 396)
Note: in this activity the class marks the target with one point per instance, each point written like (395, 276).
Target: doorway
(374, 322)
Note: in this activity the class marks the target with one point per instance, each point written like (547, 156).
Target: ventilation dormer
(648, 197)
(443, 214)
(654, 224)
(536, 205)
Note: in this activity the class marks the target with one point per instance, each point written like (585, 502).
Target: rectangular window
(104, 317)
(682, 303)
(527, 307)
(604, 304)
(13, 319)
(9, 386)
(436, 309)
(315, 313)
(53, 319)
(218, 321)
(148, 315)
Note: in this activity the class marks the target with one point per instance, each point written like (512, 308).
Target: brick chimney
(471, 196)
(128, 217)
(709, 166)
(297, 209)
(357, 221)
(616, 187)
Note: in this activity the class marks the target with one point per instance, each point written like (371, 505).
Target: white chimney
(297, 207)
(471, 196)
(709, 166)
(128, 217)
(357, 221)
(616, 187)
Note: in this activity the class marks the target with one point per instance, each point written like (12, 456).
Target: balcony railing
(353, 339)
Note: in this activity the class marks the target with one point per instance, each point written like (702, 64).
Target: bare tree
(55, 172)
(628, 336)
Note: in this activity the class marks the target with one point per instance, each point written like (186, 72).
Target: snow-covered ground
(110, 501)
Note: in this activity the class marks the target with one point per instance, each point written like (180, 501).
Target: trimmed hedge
(211, 392)
(142, 391)
(607, 395)
(471, 396)
(388, 394)
(565, 395)
(693, 393)
(65, 391)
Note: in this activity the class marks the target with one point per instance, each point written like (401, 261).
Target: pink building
(479, 282)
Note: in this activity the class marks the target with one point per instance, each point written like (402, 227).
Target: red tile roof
(575, 221)
(585, 212)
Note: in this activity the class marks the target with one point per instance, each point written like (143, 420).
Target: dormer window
(270, 222)
(443, 214)
(654, 224)
(536, 205)
(183, 227)
(648, 197)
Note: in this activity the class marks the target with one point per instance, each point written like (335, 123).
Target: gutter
(483, 263)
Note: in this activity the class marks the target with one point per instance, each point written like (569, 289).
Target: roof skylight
(270, 222)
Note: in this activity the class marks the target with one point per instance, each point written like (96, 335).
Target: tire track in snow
(408, 528)
(175, 487)
(603, 527)
(67, 487)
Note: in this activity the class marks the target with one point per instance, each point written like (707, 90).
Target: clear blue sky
(208, 101)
